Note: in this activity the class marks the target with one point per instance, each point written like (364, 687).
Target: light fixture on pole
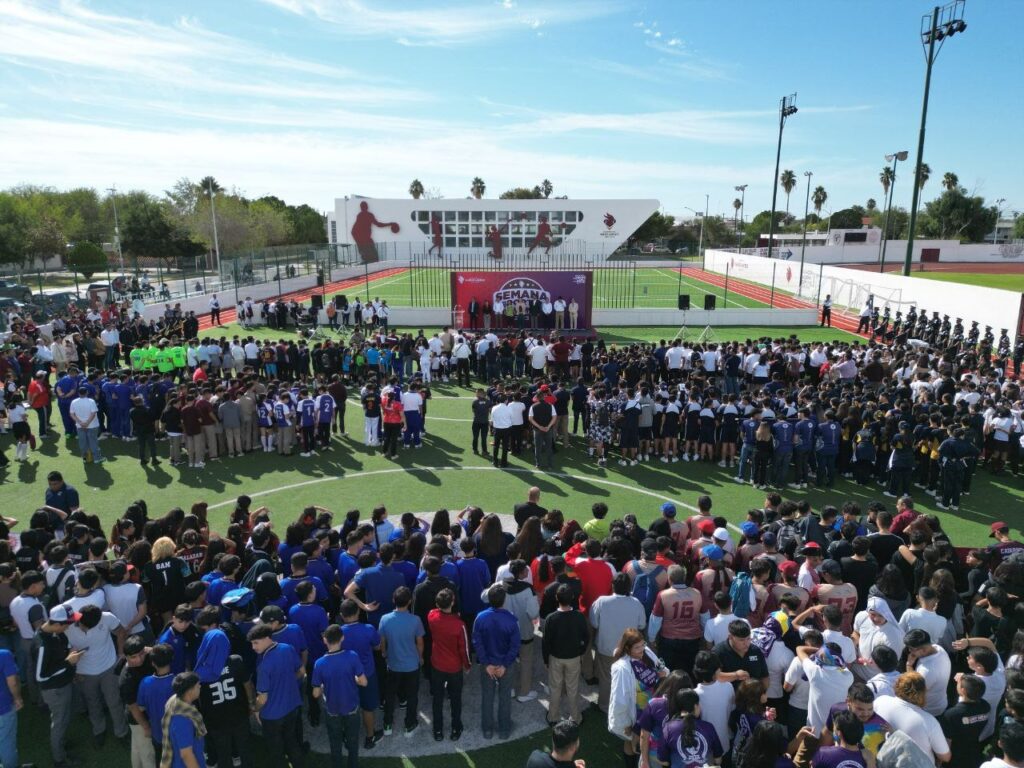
(787, 108)
(893, 158)
(213, 215)
(117, 227)
(742, 189)
(995, 229)
(943, 22)
(803, 241)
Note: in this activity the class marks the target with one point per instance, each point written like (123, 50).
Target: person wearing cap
(648, 563)
(713, 576)
(751, 546)
(85, 414)
(704, 539)
(28, 615)
(809, 577)
(1005, 546)
(788, 571)
(54, 666)
(95, 633)
(679, 531)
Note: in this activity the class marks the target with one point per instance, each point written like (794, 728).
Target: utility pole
(742, 189)
(213, 215)
(895, 158)
(787, 108)
(117, 227)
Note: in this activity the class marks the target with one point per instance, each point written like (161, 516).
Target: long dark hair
(765, 746)
(441, 524)
(683, 706)
(492, 541)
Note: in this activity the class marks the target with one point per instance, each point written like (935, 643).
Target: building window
(490, 216)
(463, 215)
(449, 215)
(476, 216)
(334, 231)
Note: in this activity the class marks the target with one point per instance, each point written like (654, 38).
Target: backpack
(645, 586)
(49, 598)
(787, 531)
(739, 592)
(603, 415)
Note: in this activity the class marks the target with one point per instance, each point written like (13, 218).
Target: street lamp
(943, 22)
(213, 215)
(893, 158)
(803, 242)
(787, 108)
(117, 227)
(995, 229)
(702, 216)
(742, 189)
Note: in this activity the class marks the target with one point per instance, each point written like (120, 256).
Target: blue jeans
(503, 687)
(746, 455)
(9, 740)
(88, 440)
(413, 427)
(343, 731)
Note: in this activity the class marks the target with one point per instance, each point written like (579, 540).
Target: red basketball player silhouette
(494, 235)
(543, 237)
(362, 233)
(435, 236)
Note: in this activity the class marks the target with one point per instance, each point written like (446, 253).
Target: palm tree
(924, 175)
(736, 205)
(871, 205)
(209, 185)
(546, 187)
(818, 197)
(787, 180)
(886, 177)
(477, 187)
(416, 189)
(950, 181)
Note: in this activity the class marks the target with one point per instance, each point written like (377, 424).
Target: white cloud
(674, 42)
(456, 22)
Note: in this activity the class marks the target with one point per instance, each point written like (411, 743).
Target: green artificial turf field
(614, 288)
(1013, 283)
(444, 473)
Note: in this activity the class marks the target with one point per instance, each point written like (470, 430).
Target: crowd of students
(814, 638)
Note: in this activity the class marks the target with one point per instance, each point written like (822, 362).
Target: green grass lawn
(1005, 282)
(614, 288)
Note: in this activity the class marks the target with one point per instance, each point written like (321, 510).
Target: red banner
(500, 288)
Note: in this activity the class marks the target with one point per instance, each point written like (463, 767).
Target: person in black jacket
(144, 429)
(424, 600)
(565, 640)
(54, 669)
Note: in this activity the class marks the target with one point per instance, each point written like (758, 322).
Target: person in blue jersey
(109, 391)
(748, 432)
(348, 563)
(66, 390)
(783, 432)
(827, 438)
(155, 690)
(230, 567)
(214, 648)
(325, 408)
(126, 387)
(803, 447)
(496, 640)
(378, 584)
(278, 702)
(364, 639)
(317, 565)
(299, 563)
(182, 637)
(265, 420)
(183, 731)
(284, 423)
(306, 415)
(338, 677)
(311, 618)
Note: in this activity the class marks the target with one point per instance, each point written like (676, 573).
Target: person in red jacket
(39, 400)
(449, 659)
(595, 575)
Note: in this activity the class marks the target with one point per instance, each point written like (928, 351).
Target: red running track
(841, 320)
(229, 315)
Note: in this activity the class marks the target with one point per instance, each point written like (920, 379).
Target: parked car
(60, 300)
(14, 290)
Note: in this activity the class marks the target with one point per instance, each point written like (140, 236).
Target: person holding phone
(54, 666)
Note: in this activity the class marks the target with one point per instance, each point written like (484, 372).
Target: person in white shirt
(85, 414)
(904, 712)
(674, 361)
(1011, 741)
(932, 663)
(127, 601)
(926, 618)
(829, 681)
(538, 359)
(95, 632)
(559, 307)
(501, 426)
(717, 698)
(215, 310)
(885, 660)
(871, 628)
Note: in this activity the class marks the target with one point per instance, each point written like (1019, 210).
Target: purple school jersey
(325, 409)
(837, 757)
(704, 748)
(307, 412)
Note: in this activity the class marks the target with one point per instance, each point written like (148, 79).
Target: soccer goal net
(855, 294)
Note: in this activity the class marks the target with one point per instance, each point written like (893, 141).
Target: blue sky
(315, 99)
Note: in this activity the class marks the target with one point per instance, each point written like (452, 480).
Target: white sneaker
(527, 697)
(664, 459)
(623, 463)
(739, 480)
(304, 455)
(686, 457)
(940, 505)
(721, 463)
(890, 495)
(675, 459)
(199, 465)
(632, 462)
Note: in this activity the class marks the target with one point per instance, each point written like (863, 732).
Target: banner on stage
(528, 286)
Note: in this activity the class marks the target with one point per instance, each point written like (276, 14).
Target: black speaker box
(316, 301)
(709, 300)
(684, 301)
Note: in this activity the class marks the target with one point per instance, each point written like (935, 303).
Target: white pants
(371, 429)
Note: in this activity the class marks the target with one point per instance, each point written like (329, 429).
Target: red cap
(998, 527)
(812, 545)
(706, 526)
(789, 568)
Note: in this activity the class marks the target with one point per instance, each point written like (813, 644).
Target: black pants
(899, 480)
(864, 324)
(480, 434)
(450, 682)
(502, 438)
(308, 439)
(462, 372)
(678, 653)
(952, 483)
(339, 416)
(343, 731)
(578, 416)
(281, 739)
(391, 435)
(405, 686)
(323, 433)
(147, 444)
(826, 316)
(234, 739)
(215, 316)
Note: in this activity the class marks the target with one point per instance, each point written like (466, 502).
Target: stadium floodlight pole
(803, 241)
(213, 215)
(787, 108)
(742, 189)
(943, 22)
(117, 227)
(894, 158)
(700, 245)
(995, 229)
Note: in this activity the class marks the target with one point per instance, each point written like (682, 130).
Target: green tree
(717, 233)
(871, 204)
(886, 177)
(848, 218)
(819, 197)
(307, 225)
(521, 193)
(956, 215)
(657, 226)
(477, 187)
(760, 224)
(147, 229)
(87, 259)
(950, 181)
(787, 180)
(13, 228)
(416, 189)
(209, 185)
(546, 187)
(1018, 229)
(924, 175)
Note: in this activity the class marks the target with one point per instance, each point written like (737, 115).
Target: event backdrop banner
(528, 286)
